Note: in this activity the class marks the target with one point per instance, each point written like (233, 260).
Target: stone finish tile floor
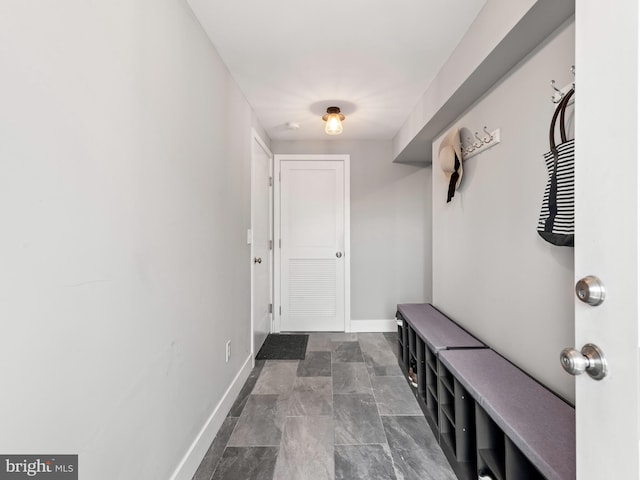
(343, 413)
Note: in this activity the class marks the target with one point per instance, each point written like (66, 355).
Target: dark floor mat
(283, 347)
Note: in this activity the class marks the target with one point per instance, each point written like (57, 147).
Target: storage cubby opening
(490, 442)
(517, 466)
(432, 383)
(446, 401)
(430, 359)
(432, 374)
(465, 424)
(412, 340)
(448, 433)
(422, 373)
(432, 393)
(405, 345)
(446, 378)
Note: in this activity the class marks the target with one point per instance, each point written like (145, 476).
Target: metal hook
(558, 96)
(479, 139)
(490, 137)
(471, 146)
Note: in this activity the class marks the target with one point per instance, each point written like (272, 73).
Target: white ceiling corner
(372, 58)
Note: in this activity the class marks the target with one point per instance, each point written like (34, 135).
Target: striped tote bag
(556, 222)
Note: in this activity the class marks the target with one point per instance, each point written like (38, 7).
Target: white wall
(491, 271)
(390, 226)
(503, 33)
(124, 199)
(493, 23)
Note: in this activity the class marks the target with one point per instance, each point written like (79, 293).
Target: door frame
(257, 139)
(345, 159)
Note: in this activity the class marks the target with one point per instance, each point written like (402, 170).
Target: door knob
(339, 254)
(590, 359)
(590, 290)
(257, 260)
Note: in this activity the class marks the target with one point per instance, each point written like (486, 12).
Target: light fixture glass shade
(334, 124)
(334, 121)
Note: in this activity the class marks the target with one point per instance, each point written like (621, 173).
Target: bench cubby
(457, 426)
(423, 331)
(523, 430)
(489, 417)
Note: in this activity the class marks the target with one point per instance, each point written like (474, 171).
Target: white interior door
(607, 131)
(261, 259)
(313, 246)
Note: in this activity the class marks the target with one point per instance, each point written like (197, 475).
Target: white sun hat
(450, 157)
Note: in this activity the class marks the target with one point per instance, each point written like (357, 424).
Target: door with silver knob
(607, 216)
(260, 236)
(312, 224)
(590, 360)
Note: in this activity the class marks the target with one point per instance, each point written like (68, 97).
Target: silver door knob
(257, 260)
(590, 290)
(590, 359)
(339, 254)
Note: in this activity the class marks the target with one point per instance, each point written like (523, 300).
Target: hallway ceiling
(372, 58)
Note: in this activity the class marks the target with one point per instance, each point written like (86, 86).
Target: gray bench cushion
(539, 423)
(437, 330)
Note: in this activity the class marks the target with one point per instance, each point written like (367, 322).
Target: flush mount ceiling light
(334, 121)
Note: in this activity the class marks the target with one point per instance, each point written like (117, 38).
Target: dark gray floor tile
(351, 378)
(344, 337)
(385, 370)
(311, 396)
(306, 451)
(319, 342)
(346, 352)
(378, 355)
(247, 463)
(415, 451)
(277, 376)
(363, 462)
(392, 338)
(394, 396)
(213, 455)
(261, 422)
(246, 390)
(356, 420)
(336, 396)
(373, 341)
(315, 364)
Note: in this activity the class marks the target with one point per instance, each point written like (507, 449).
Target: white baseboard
(191, 461)
(373, 326)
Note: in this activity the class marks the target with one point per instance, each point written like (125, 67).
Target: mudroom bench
(490, 418)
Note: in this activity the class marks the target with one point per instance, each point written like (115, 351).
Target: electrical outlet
(227, 354)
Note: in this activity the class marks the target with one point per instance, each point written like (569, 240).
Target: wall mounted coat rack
(472, 146)
(559, 93)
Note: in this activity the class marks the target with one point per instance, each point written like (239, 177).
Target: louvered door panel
(312, 288)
